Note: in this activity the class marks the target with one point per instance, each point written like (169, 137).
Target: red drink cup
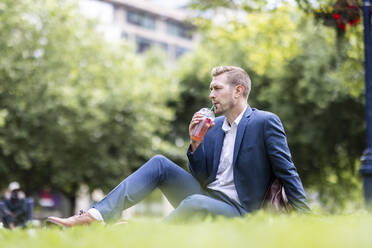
(201, 129)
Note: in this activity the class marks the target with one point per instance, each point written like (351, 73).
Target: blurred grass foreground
(258, 230)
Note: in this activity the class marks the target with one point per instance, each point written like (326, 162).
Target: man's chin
(217, 112)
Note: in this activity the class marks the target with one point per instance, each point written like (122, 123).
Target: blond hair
(235, 76)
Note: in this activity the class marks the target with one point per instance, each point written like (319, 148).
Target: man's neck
(235, 112)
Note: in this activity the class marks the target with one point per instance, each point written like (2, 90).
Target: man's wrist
(194, 145)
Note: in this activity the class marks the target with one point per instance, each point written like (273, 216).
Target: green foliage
(297, 73)
(260, 230)
(74, 108)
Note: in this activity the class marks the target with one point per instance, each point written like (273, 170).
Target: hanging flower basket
(340, 14)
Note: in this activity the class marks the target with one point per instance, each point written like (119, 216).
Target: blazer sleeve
(197, 163)
(281, 163)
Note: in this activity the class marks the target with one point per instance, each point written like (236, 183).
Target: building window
(143, 44)
(124, 35)
(179, 30)
(163, 46)
(180, 51)
(141, 19)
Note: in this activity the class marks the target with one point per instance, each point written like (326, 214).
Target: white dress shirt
(225, 174)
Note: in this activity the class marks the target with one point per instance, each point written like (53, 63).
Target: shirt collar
(226, 127)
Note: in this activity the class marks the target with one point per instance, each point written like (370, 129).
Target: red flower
(351, 6)
(336, 16)
(342, 26)
(350, 22)
(356, 20)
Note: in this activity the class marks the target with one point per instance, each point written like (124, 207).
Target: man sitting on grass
(231, 168)
(13, 210)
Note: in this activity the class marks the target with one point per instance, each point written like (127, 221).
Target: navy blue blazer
(260, 153)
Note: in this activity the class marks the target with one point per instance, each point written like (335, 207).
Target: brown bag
(276, 199)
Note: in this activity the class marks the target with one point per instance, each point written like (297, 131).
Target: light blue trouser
(181, 189)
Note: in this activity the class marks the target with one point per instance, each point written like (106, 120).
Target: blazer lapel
(240, 132)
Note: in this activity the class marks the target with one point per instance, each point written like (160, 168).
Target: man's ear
(239, 90)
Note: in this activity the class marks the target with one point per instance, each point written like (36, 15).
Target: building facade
(145, 24)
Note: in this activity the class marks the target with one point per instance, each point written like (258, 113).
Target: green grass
(259, 230)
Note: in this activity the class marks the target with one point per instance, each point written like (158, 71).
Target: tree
(75, 108)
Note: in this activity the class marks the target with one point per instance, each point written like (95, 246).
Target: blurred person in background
(14, 207)
(231, 168)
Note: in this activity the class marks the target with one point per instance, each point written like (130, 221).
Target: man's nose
(211, 95)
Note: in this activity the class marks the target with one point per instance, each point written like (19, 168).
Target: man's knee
(159, 158)
(162, 161)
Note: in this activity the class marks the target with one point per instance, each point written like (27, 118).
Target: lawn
(258, 230)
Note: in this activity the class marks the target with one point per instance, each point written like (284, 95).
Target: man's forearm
(197, 162)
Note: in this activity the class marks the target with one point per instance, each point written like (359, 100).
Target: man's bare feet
(83, 218)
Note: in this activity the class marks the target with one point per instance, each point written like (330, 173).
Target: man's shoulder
(257, 115)
(262, 115)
